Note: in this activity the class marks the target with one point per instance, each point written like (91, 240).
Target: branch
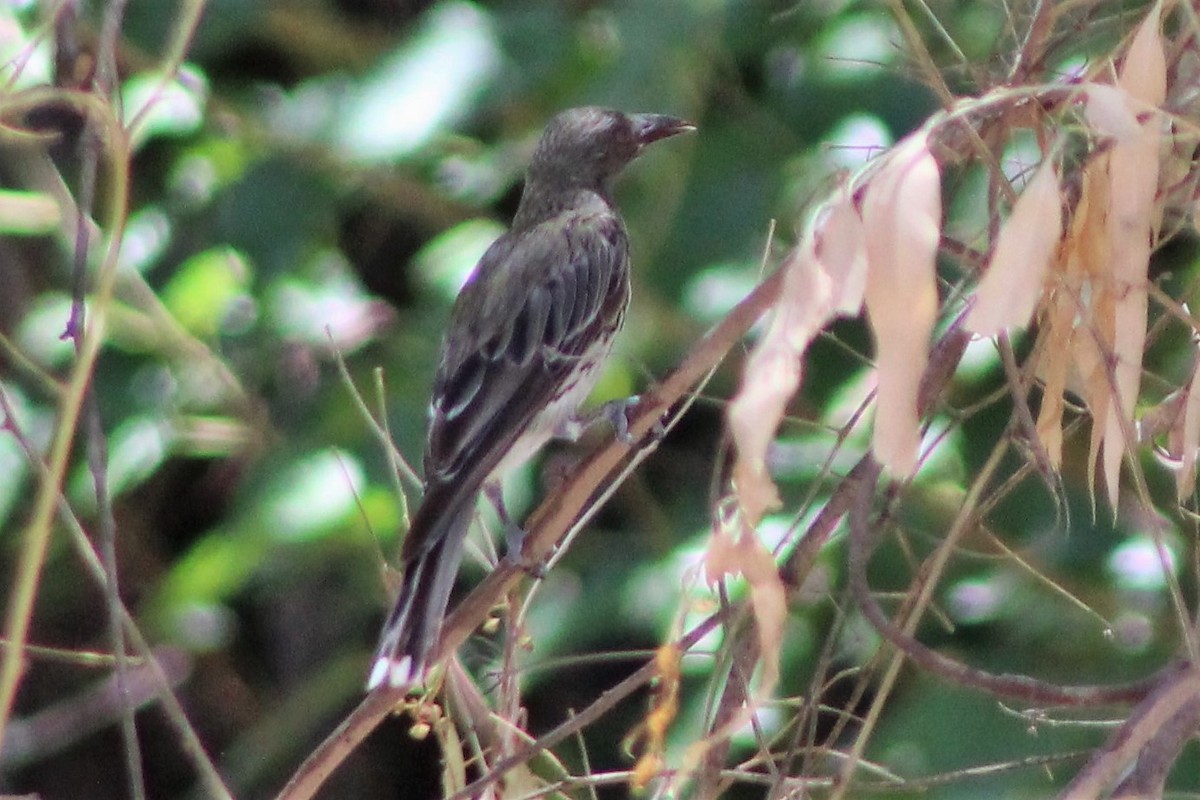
(1157, 728)
(1008, 686)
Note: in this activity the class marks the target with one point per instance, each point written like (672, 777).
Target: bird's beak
(649, 128)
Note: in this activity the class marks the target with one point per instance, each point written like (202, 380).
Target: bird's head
(588, 146)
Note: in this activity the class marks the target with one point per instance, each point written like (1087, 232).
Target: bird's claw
(514, 538)
(617, 413)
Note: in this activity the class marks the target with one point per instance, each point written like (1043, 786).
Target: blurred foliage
(317, 180)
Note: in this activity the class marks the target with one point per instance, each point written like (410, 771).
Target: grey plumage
(527, 339)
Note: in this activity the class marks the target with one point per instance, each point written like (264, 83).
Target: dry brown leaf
(824, 276)
(1053, 364)
(768, 600)
(902, 212)
(1091, 299)
(651, 734)
(1058, 366)
(735, 549)
(1095, 326)
(1015, 279)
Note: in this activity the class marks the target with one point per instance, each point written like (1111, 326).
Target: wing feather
(535, 303)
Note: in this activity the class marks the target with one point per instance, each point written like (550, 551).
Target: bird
(527, 338)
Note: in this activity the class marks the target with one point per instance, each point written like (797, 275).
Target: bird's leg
(514, 534)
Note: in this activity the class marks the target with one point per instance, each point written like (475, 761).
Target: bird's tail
(412, 627)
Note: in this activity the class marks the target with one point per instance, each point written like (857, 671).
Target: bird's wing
(537, 300)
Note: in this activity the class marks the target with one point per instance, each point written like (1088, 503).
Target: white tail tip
(399, 673)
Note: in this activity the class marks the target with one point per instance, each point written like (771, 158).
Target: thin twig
(71, 403)
(193, 749)
(104, 86)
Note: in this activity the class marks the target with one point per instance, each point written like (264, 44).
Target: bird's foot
(620, 413)
(532, 568)
(617, 413)
(514, 540)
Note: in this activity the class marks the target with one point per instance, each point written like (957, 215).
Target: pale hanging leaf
(842, 253)
(772, 375)
(902, 212)
(1109, 111)
(1144, 72)
(1189, 438)
(1133, 172)
(1015, 279)
(1090, 348)
(825, 274)
(814, 289)
(1116, 408)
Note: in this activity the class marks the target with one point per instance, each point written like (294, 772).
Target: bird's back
(538, 304)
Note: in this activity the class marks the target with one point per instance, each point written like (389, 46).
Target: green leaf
(201, 291)
(164, 105)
